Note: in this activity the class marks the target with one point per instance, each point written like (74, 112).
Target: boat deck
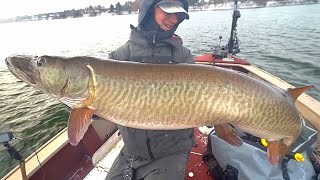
(102, 168)
(196, 168)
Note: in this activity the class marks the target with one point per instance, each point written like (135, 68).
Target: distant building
(272, 4)
(35, 18)
(43, 17)
(248, 5)
(54, 16)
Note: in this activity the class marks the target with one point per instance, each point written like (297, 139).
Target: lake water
(282, 40)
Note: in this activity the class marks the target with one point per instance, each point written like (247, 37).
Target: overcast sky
(13, 8)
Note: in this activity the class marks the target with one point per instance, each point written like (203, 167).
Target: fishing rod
(233, 44)
(4, 139)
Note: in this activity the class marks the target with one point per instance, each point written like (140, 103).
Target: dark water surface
(282, 40)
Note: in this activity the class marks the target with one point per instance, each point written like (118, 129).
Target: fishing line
(34, 150)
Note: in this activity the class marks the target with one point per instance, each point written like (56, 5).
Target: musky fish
(164, 97)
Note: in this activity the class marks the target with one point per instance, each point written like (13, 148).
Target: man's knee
(171, 167)
(115, 172)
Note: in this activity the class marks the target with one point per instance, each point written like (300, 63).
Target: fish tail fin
(296, 92)
(228, 133)
(276, 151)
(79, 122)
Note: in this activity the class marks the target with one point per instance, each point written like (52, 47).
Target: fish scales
(162, 97)
(170, 97)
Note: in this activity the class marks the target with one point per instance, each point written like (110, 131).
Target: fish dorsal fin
(92, 90)
(228, 133)
(79, 122)
(296, 92)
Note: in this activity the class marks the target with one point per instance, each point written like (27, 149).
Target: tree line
(128, 7)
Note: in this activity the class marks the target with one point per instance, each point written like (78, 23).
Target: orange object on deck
(210, 59)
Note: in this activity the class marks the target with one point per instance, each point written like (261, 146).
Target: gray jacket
(151, 144)
(140, 50)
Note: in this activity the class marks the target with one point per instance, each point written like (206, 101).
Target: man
(154, 154)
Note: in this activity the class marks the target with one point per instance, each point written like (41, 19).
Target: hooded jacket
(165, 48)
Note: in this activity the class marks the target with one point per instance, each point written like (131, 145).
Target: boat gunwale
(53, 146)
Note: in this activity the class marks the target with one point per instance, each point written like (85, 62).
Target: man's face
(165, 20)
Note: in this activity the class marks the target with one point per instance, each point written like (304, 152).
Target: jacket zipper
(149, 146)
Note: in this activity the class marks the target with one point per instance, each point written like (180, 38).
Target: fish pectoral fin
(91, 89)
(228, 133)
(276, 151)
(296, 92)
(79, 122)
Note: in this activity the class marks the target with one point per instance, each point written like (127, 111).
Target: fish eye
(41, 61)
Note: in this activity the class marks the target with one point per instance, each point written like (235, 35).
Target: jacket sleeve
(121, 53)
(187, 56)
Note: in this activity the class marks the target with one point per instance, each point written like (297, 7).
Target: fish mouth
(19, 66)
(30, 79)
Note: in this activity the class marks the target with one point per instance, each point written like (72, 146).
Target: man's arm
(122, 53)
(187, 56)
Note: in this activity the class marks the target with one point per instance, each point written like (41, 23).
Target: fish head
(56, 76)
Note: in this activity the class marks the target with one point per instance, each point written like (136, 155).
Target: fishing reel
(5, 138)
(219, 51)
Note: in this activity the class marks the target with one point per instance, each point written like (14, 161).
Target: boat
(93, 156)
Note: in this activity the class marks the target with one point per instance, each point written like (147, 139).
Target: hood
(152, 31)
(145, 5)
